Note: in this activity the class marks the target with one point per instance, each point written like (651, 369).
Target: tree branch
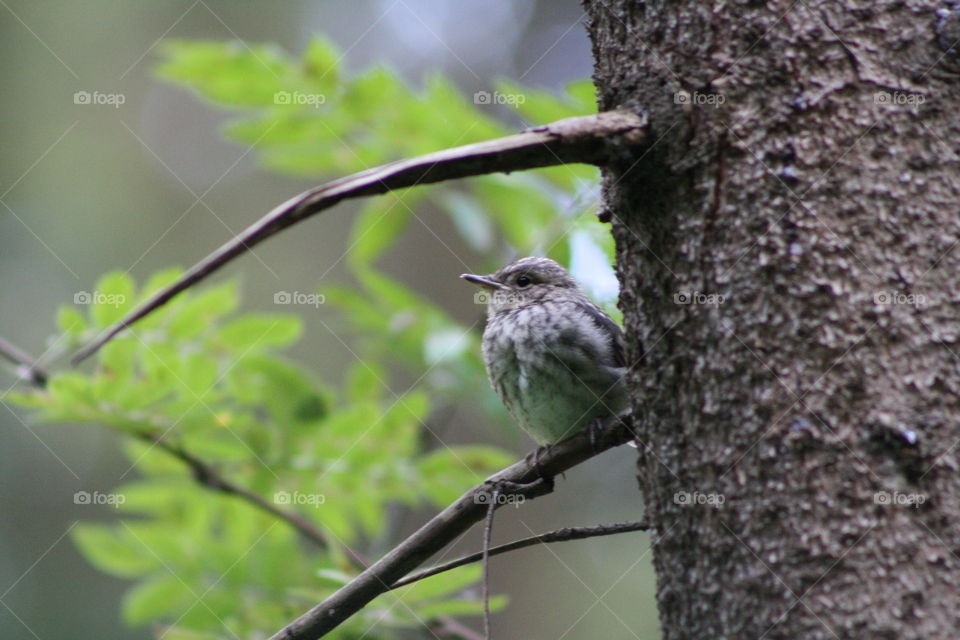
(27, 368)
(203, 472)
(446, 526)
(595, 139)
(558, 535)
(206, 475)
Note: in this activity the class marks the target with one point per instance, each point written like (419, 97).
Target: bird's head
(524, 281)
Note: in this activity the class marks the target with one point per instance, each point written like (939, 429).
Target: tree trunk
(798, 409)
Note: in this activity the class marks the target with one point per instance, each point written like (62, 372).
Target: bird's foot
(505, 491)
(534, 458)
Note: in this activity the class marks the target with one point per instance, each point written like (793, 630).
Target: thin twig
(207, 476)
(446, 526)
(558, 535)
(27, 367)
(204, 473)
(595, 139)
(487, 536)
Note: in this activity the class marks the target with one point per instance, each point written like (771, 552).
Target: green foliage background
(214, 380)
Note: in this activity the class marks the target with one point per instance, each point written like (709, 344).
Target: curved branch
(446, 526)
(558, 535)
(595, 139)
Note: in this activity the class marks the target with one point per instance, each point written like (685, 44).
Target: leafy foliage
(211, 381)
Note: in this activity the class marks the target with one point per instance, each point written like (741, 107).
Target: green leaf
(71, 389)
(117, 357)
(161, 279)
(200, 373)
(113, 550)
(232, 73)
(260, 331)
(116, 367)
(31, 399)
(449, 471)
(201, 310)
(152, 599)
(528, 229)
(459, 607)
(540, 107)
(111, 298)
(71, 321)
(583, 94)
(365, 382)
(287, 392)
(442, 584)
(471, 221)
(334, 577)
(180, 633)
(154, 283)
(320, 64)
(378, 226)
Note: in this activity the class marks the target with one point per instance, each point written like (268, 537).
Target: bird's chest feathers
(533, 352)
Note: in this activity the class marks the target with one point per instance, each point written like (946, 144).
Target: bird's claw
(533, 458)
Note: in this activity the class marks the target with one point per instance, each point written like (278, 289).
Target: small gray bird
(554, 358)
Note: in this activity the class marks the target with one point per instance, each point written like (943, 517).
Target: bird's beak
(484, 281)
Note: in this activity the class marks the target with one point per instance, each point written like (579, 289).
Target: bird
(554, 358)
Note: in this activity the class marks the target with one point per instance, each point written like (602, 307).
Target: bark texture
(806, 171)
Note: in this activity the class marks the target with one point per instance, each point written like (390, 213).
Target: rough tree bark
(807, 171)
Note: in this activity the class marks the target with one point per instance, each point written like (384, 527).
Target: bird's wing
(610, 328)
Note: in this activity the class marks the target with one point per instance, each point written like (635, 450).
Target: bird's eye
(524, 281)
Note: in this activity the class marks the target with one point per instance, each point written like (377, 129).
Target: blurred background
(151, 183)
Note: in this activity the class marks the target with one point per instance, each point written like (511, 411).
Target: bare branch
(443, 528)
(595, 139)
(558, 535)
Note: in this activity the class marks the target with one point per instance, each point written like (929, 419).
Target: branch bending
(598, 139)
